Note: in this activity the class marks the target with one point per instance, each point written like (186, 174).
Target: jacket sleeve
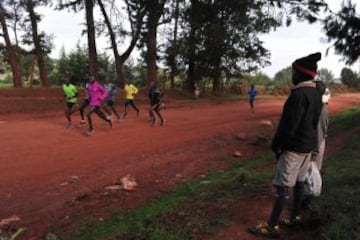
(290, 120)
(103, 92)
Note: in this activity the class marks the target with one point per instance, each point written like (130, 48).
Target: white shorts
(291, 167)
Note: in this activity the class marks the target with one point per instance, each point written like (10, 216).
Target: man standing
(294, 140)
(97, 93)
(70, 94)
(130, 93)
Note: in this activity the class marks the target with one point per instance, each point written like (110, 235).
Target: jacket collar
(308, 83)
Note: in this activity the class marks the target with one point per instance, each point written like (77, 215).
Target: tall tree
(174, 46)
(11, 50)
(88, 5)
(350, 78)
(136, 11)
(36, 37)
(155, 9)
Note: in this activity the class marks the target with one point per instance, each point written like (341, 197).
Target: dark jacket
(297, 129)
(155, 95)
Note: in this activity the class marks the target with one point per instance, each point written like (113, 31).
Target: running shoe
(153, 122)
(82, 122)
(162, 122)
(90, 131)
(291, 222)
(264, 230)
(69, 125)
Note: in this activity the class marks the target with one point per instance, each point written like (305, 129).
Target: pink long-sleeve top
(96, 93)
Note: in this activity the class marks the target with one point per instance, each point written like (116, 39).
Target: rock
(237, 154)
(128, 182)
(266, 123)
(9, 220)
(240, 136)
(114, 187)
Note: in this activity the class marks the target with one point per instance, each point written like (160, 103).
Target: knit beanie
(305, 68)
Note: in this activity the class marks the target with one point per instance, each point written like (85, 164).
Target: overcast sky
(285, 44)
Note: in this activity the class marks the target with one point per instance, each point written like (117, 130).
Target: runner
(130, 92)
(252, 94)
(97, 93)
(155, 96)
(70, 95)
(112, 89)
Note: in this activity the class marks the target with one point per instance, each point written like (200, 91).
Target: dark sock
(297, 201)
(279, 205)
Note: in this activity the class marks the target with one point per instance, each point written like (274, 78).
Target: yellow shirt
(130, 91)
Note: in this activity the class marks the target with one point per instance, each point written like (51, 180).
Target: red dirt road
(39, 156)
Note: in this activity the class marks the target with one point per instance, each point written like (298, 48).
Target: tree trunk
(120, 60)
(155, 8)
(191, 78)
(14, 60)
(174, 48)
(151, 56)
(38, 49)
(89, 8)
(32, 71)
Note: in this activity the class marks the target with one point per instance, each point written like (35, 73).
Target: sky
(285, 44)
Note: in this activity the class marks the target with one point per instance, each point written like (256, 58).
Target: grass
(184, 212)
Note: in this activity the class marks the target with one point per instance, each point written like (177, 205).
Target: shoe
(110, 123)
(69, 125)
(291, 222)
(264, 230)
(90, 132)
(119, 119)
(162, 122)
(82, 122)
(153, 122)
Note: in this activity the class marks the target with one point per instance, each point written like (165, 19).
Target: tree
(283, 76)
(136, 12)
(326, 75)
(343, 29)
(38, 39)
(350, 78)
(155, 9)
(12, 54)
(88, 5)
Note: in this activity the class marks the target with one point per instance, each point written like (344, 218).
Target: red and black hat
(305, 68)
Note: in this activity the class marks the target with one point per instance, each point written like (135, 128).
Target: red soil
(51, 175)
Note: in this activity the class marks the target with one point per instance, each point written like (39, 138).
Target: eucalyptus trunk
(14, 60)
(89, 8)
(38, 49)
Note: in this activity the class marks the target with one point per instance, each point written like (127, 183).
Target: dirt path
(39, 157)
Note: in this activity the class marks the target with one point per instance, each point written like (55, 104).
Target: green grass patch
(184, 212)
(337, 211)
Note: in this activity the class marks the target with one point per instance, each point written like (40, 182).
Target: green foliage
(350, 78)
(343, 29)
(326, 75)
(283, 77)
(337, 210)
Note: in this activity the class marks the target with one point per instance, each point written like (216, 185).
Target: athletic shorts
(291, 167)
(70, 105)
(109, 102)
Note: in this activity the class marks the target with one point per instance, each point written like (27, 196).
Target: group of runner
(101, 98)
